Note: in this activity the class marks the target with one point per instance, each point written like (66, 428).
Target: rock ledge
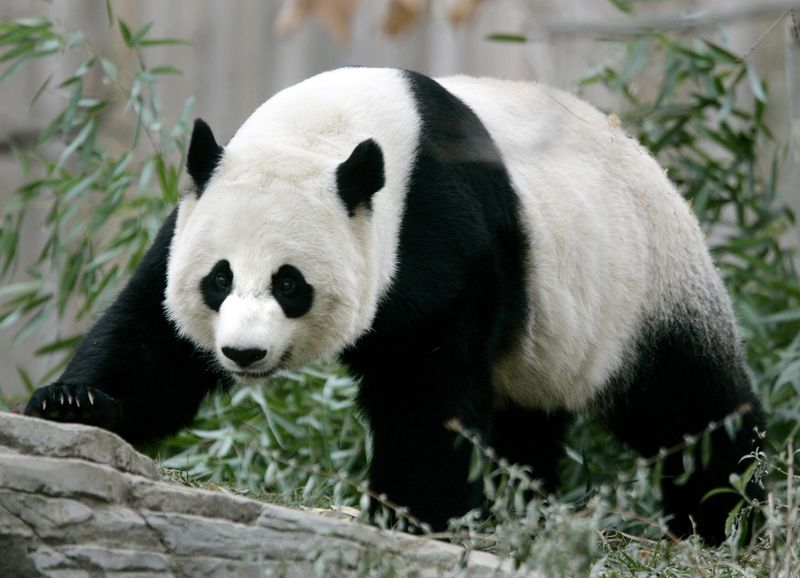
(79, 502)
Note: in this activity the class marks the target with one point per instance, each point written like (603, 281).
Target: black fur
(217, 285)
(360, 176)
(456, 303)
(683, 380)
(533, 438)
(297, 301)
(203, 156)
(145, 380)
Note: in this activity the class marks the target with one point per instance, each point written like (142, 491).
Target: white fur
(273, 201)
(612, 243)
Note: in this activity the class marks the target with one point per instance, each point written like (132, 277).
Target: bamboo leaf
(756, 85)
(161, 70)
(136, 39)
(503, 37)
(125, 32)
(165, 42)
(77, 142)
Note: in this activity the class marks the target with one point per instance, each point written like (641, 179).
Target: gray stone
(7, 450)
(116, 559)
(79, 502)
(140, 575)
(46, 516)
(209, 567)
(179, 499)
(27, 435)
(16, 560)
(117, 524)
(187, 535)
(60, 477)
(66, 573)
(46, 558)
(11, 526)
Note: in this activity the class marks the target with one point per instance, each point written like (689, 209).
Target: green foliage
(615, 532)
(298, 437)
(702, 115)
(699, 108)
(704, 119)
(701, 112)
(100, 203)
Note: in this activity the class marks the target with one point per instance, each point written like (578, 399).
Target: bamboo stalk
(640, 25)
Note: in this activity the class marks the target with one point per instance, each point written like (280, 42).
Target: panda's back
(613, 247)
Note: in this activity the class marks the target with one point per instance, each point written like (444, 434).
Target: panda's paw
(74, 403)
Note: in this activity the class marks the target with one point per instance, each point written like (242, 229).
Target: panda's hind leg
(531, 438)
(683, 380)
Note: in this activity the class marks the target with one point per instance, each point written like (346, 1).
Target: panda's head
(267, 266)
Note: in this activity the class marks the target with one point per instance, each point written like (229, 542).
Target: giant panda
(493, 251)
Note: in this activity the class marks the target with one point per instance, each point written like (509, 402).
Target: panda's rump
(612, 244)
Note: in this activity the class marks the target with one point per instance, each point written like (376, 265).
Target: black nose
(244, 357)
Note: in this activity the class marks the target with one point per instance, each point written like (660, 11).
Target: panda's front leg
(75, 403)
(132, 373)
(418, 462)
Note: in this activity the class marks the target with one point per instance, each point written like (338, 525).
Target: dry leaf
(336, 16)
(402, 15)
(462, 11)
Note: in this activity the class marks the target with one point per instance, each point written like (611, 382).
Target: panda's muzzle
(244, 357)
(248, 366)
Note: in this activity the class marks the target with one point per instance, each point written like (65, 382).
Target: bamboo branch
(793, 88)
(642, 25)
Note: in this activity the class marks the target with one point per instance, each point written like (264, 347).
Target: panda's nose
(244, 357)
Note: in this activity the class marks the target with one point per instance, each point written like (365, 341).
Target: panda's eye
(292, 291)
(216, 286)
(222, 279)
(287, 286)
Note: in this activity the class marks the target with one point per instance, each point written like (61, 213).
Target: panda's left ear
(360, 176)
(204, 155)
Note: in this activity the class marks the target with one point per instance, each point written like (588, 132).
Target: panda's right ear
(360, 176)
(204, 155)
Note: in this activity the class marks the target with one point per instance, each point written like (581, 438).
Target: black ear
(204, 155)
(360, 176)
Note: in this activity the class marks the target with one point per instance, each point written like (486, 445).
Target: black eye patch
(216, 286)
(291, 290)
